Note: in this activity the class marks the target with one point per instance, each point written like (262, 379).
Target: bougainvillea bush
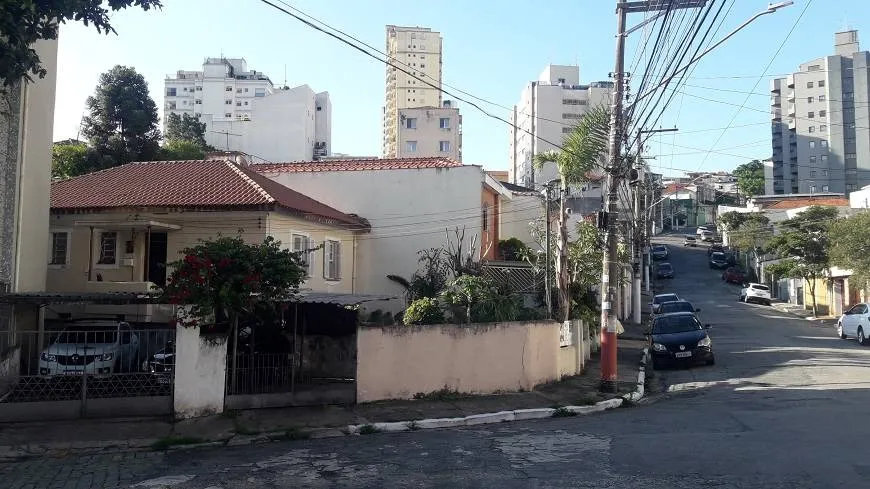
(227, 277)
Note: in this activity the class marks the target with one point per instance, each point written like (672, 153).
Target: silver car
(96, 348)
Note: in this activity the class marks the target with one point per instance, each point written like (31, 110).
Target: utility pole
(548, 291)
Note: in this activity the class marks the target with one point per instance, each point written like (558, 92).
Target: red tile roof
(805, 202)
(199, 184)
(357, 165)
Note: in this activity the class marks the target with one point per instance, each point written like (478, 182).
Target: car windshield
(665, 298)
(665, 266)
(760, 287)
(658, 248)
(676, 324)
(718, 256)
(89, 335)
(678, 306)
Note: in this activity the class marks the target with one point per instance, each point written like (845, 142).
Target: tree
(584, 270)
(850, 246)
(429, 279)
(750, 178)
(68, 160)
(185, 128)
(122, 121)
(23, 22)
(181, 149)
(804, 244)
(582, 149)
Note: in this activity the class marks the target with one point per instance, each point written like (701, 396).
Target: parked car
(161, 364)
(701, 230)
(665, 270)
(715, 248)
(855, 323)
(734, 275)
(707, 236)
(681, 305)
(662, 298)
(690, 241)
(718, 260)
(679, 337)
(93, 348)
(660, 252)
(754, 292)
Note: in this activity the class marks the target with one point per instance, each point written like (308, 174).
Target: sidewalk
(60, 438)
(802, 312)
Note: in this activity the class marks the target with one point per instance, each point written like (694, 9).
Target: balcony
(776, 101)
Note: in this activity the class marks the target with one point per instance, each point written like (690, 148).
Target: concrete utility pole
(548, 291)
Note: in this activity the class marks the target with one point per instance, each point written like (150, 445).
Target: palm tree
(582, 151)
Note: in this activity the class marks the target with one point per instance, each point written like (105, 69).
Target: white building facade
(244, 112)
(430, 131)
(548, 108)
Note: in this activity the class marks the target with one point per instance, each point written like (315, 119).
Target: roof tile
(357, 165)
(798, 203)
(188, 183)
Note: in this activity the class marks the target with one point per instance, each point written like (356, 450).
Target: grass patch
(368, 429)
(174, 441)
(563, 413)
(444, 394)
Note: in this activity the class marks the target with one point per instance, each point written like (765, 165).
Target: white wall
(860, 199)
(200, 373)
(408, 211)
(323, 120)
(517, 215)
(428, 134)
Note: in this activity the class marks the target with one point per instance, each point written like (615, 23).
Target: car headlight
(705, 341)
(105, 357)
(659, 347)
(46, 357)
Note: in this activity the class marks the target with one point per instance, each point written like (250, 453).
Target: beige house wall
(397, 362)
(129, 276)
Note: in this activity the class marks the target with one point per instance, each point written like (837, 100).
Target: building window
(823, 113)
(484, 213)
(228, 115)
(572, 116)
(197, 102)
(305, 247)
(566, 130)
(809, 84)
(228, 89)
(825, 173)
(824, 188)
(411, 123)
(813, 159)
(246, 103)
(259, 92)
(238, 104)
(848, 95)
(812, 144)
(332, 260)
(238, 90)
(821, 98)
(824, 159)
(411, 146)
(198, 89)
(444, 146)
(197, 114)
(812, 189)
(170, 92)
(59, 248)
(108, 248)
(821, 83)
(823, 128)
(444, 123)
(812, 173)
(811, 114)
(814, 68)
(824, 144)
(811, 129)
(809, 100)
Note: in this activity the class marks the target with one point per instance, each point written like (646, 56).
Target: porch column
(147, 255)
(91, 255)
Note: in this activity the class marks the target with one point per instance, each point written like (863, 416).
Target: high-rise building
(821, 122)
(547, 110)
(243, 111)
(414, 114)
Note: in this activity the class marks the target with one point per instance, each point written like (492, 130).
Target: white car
(93, 348)
(701, 230)
(755, 293)
(855, 323)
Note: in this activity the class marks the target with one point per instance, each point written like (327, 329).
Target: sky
(491, 49)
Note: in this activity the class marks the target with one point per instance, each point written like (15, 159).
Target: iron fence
(260, 373)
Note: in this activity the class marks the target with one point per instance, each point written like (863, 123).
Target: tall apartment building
(243, 111)
(821, 122)
(548, 108)
(414, 113)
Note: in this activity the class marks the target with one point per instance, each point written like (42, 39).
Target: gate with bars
(518, 277)
(94, 370)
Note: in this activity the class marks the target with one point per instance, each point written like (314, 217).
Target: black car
(679, 337)
(714, 248)
(719, 260)
(665, 270)
(660, 252)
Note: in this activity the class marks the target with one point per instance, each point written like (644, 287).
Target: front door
(157, 258)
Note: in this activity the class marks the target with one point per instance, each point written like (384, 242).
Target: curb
(18, 453)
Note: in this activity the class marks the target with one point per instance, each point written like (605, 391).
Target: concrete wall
(200, 373)
(427, 133)
(396, 362)
(516, 216)
(10, 362)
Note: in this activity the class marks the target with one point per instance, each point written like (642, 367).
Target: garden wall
(397, 362)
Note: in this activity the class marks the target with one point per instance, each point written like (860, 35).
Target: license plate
(72, 372)
(162, 380)
(683, 354)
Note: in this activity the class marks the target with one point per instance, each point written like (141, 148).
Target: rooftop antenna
(285, 74)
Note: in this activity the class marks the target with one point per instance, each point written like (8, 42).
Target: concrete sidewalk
(85, 436)
(801, 312)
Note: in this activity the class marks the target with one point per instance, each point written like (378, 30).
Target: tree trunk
(812, 283)
(562, 260)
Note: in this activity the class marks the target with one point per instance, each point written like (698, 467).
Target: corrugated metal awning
(77, 298)
(340, 299)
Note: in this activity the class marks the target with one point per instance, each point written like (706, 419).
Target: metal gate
(105, 370)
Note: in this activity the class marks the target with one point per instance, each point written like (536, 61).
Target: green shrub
(423, 311)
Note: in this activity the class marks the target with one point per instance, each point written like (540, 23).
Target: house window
(444, 146)
(411, 123)
(444, 123)
(411, 146)
(484, 214)
(59, 248)
(332, 260)
(305, 247)
(108, 248)
(259, 92)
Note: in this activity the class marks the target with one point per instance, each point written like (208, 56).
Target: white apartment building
(244, 112)
(547, 110)
(417, 51)
(430, 131)
(821, 122)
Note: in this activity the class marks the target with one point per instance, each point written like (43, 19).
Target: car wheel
(840, 332)
(767, 303)
(862, 340)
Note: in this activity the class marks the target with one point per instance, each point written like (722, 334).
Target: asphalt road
(785, 406)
